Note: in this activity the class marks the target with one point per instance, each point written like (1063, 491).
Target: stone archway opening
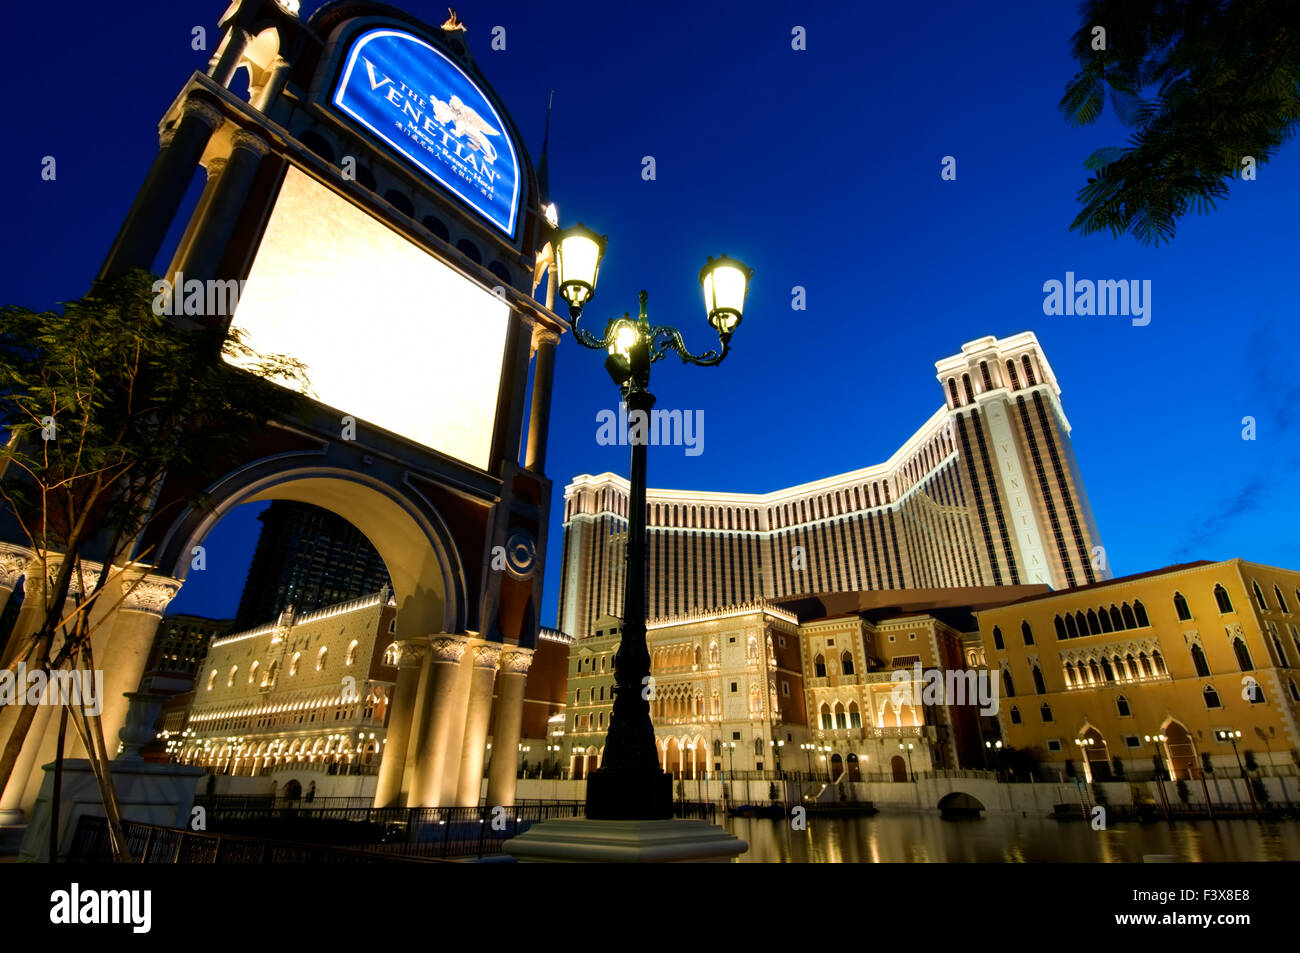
(958, 805)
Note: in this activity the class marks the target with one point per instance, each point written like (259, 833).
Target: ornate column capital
(151, 594)
(516, 661)
(487, 656)
(411, 652)
(243, 139)
(215, 165)
(544, 335)
(14, 561)
(206, 113)
(448, 648)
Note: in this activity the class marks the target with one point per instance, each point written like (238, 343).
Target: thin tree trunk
(26, 714)
(94, 725)
(116, 837)
(57, 792)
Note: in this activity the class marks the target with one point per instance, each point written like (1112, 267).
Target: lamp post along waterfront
(630, 783)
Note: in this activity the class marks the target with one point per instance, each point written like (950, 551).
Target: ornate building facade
(1122, 677)
(985, 493)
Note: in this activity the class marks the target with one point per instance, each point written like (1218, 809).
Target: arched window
(322, 657)
(846, 662)
(1081, 622)
(1140, 613)
(1295, 693)
(1008, 686)
(1011, 372)
(1121, 705)
(1059, 623)
(1256, 694)
(1094, 625)
(293, 664)
(1145, 662)
(699, 654)
(965, 383)
(952, 391)
(1180, 607)
(997, 638)
(1277, 647)
(1094, 670)
(1027, 632)
(352, 653)
(252, 671)
(1015, 715)
(1259, 596)
(717, 748)
(212, 677)
(1281, 603)
(827, 723)
(1198, 661)
(819, 666)
(1126, 612)
(1243, 655)
(841, 716)
(855, 716)
(234, 670)
(1132, 665)
(1069, 675)
(1116, 620)
(392, 654)
(1029, 371)
(1039, 685)
(1046, 712)
(1104, 616)
(1221, 597)
(1071, 627)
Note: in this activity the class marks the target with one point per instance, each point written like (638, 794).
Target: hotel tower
(985, 493)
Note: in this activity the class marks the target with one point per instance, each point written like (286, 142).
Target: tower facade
(987, 492)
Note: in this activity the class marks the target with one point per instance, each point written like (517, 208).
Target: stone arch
(410, 535)
(959, 803)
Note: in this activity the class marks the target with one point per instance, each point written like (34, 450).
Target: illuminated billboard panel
(414, 98)
(389, 334)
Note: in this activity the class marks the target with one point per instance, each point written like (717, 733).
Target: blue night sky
(818, 168)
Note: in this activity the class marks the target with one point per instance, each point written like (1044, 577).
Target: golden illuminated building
(1125, 676)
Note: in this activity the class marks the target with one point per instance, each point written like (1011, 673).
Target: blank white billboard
(389, 334)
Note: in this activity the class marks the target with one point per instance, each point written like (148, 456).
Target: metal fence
(150, 844)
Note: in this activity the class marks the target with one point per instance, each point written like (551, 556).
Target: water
(1003, 838)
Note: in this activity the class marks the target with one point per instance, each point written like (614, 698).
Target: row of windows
(1100, 621)
(1277, 593)
(273, 670)
(1026, 363)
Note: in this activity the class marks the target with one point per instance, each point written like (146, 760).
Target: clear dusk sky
(819, 168)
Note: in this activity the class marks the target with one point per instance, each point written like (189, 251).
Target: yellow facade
(1179, 656)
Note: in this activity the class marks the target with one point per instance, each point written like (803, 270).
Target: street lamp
(1281, 778)
(1159, 764)
(1231, 737)
(630, 784)
(909, 759)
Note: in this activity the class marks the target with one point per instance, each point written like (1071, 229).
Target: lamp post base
(629, 795)
(628, 842)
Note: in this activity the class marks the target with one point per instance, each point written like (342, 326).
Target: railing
(151, 844)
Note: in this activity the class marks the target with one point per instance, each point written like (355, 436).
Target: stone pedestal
(151, 793)
(625, 842)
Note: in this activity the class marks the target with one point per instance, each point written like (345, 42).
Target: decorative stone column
(507, 729)
(221, 208)
(544, 342)
(273, 83)
(13, 566)
(226, 59)
(442, 669)
(486, 659)
(146, 225)
(392, 765)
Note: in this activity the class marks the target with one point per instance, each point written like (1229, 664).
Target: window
(1121, 705)
(1256, 692)
(785, 688)
(1046, 712)
(1132, 741)
(1259, 596)
(846, 663)
(1295, 693)
(855, 716)
(1009, 688)
(1211, 697)
(717, 748)
(293, 664)
(827, 721)
(819, 666)
(212, 677)
(1243, 655)
(1039, 686)
(1180, 606)
(1281, 603)
(1053, 744)
(1140, 611)
(1027, 632)
(252, 671)
(1060, 628)
(1198, 661)
(234, 670)
(392, 626)
(321, 658)
(352, 653)
(1015, 715)
(392, 654)
(733, 687)
(1126, 612)
(997, 638)
(1221, 597)
(735, 736)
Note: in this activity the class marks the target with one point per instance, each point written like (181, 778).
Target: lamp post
(993, 746)
(1231, 737)
(1159, 765)
(776, 747)
(630, 784)
(1281, 778)
(909, 759)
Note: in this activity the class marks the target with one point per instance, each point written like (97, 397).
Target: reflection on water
(1000, 838)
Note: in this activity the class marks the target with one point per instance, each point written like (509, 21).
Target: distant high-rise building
(309, 558)
(985, 493)
(182, 642)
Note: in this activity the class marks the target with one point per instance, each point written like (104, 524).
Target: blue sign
(414, 98)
